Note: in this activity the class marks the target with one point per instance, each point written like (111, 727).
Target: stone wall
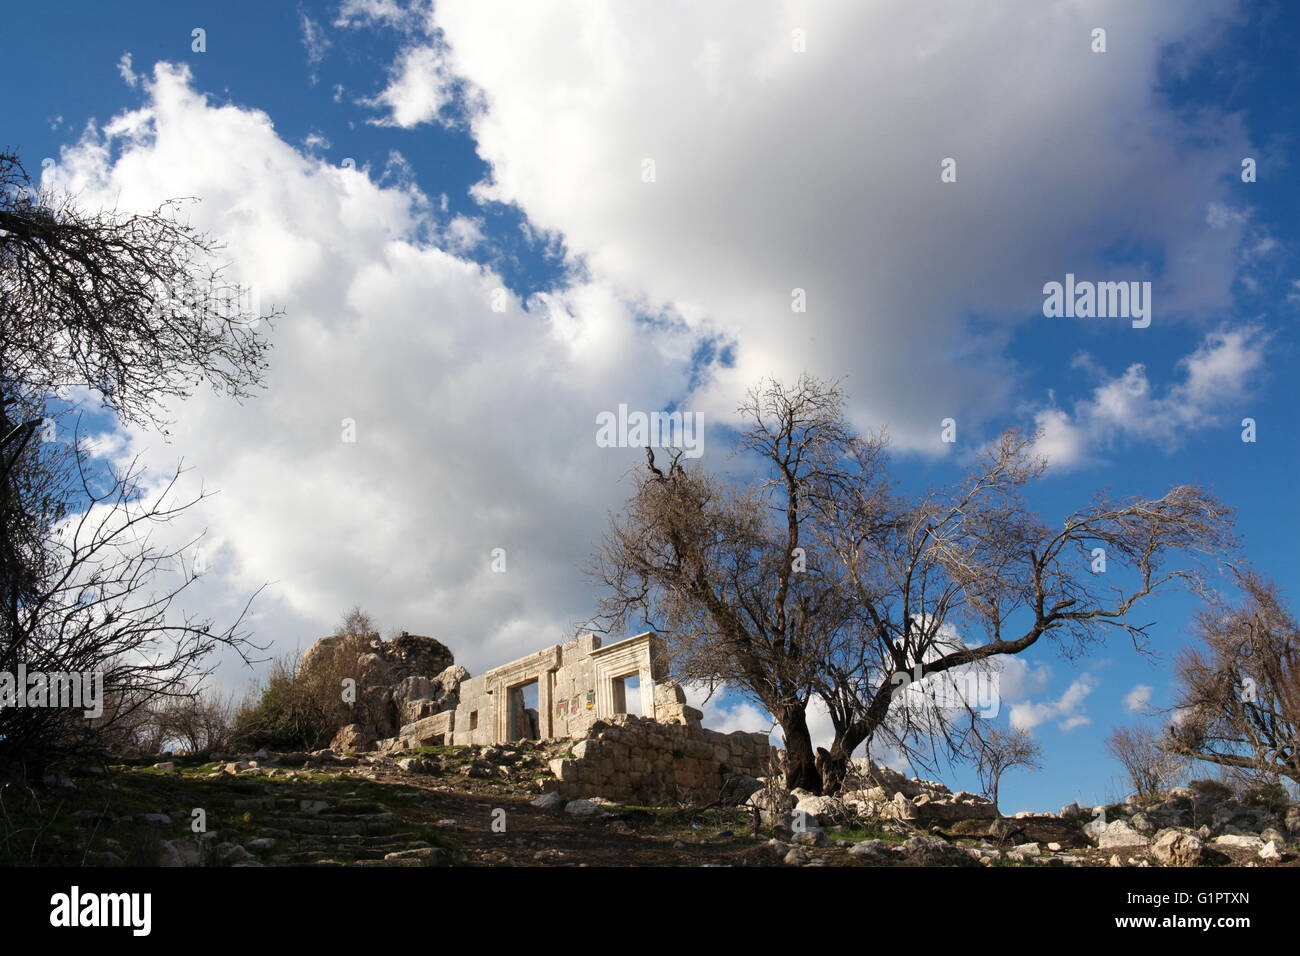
(576, 683)
(641, 761)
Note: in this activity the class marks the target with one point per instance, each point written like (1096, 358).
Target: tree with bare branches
(1238, 697)
(1151, 767)
(133, 308)
(725, 571)
(817, 577)
(955, 578)
(1001, 750)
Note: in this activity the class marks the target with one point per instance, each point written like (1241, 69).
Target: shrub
(1214, 790)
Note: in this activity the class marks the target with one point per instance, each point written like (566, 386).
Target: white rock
(1270, 851)
(1119, 833)
(1238, 840)
(583, 808)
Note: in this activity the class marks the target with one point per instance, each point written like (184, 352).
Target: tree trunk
(801, 765)
(833, 766)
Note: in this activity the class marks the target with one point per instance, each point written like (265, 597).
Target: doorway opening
(627, 695)
(524, 723)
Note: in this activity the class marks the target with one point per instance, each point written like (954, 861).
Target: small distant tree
(200, 722)
(1151, 767)
(356, 622)
(998, 751)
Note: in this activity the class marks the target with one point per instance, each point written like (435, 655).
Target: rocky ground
(485, 806)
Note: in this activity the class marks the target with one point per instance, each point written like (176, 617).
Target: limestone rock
(823, 811)
(931, 851)
(423, 855)
(1178, 848)
(772, 800)
(811, 836)
(1119, 833)
(353, 737)
(873, 850)
(1273, 835)
(583, 808)
(1238, 840)
(1004, 830)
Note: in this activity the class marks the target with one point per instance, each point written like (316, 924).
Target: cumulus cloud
(1139, 698)
(463, 234)
(418, 89)
(767, 178)
(1066, 709)
(474, 428)
(1019, 677)
(1130, 407)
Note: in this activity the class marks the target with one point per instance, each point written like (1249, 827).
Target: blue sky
(380, 169)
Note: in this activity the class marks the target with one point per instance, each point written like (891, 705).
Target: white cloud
(418, 89)
(1129, 407)
(124, 68)
(387, 13)
(314, 40)
(1018, 677)
(1139, 698)
(770, 178)
(463, 234)
(1067, 709)
(475, 429)
(730, 712)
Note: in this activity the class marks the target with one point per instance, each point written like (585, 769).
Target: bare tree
(1150, 766)
(818, 578)
(725, 570)
(357, 623)
(1238, 698)
(1002, 750)
(132, 307)
(199, 723)
(937, 582)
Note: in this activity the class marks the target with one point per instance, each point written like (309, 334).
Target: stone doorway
(524, 721)
(627, 694)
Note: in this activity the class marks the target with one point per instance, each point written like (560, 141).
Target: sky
(486, 223)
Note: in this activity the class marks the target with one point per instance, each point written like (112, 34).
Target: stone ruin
(411, 693)
(576, 683)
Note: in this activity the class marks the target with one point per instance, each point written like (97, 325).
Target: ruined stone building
(411, 694)
(576, 684)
